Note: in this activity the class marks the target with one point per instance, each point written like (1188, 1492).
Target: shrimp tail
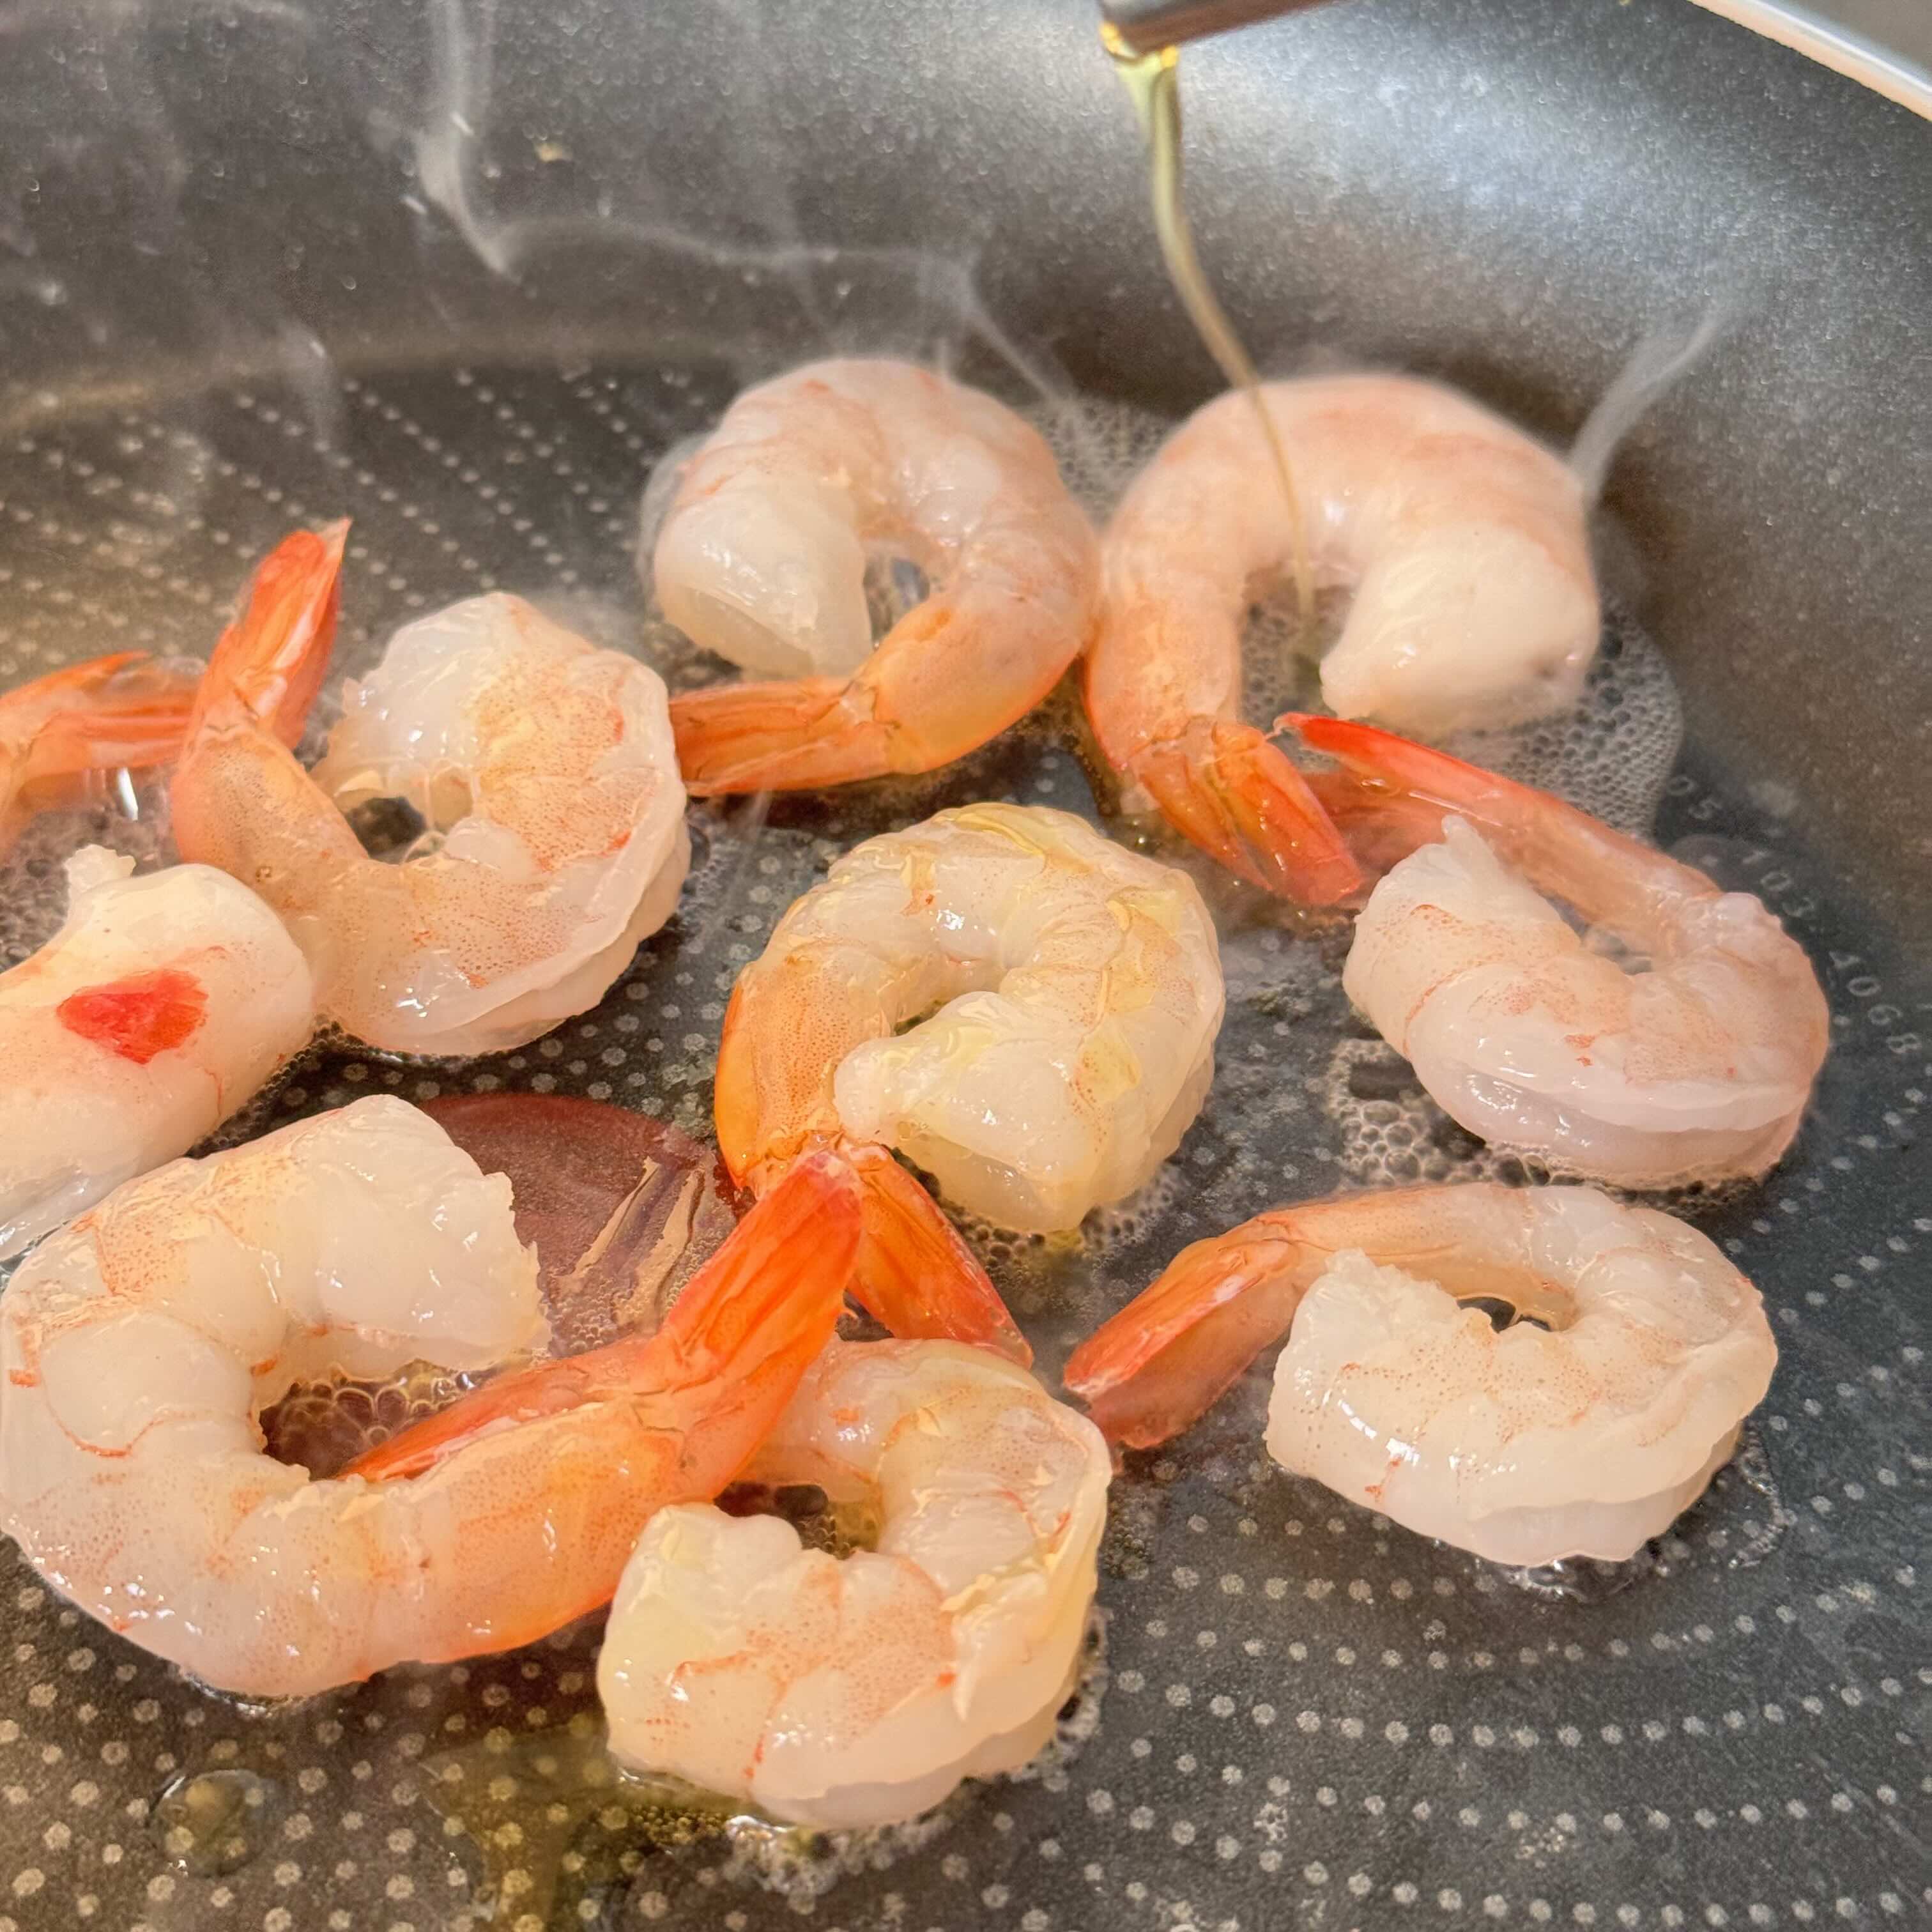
(270, 662)
(1392, 795)
(789, 736)
(126, 712)
(1167, 1357)
(746, 1328)
(1237, 796)
(915, 1274)
(1381, 770)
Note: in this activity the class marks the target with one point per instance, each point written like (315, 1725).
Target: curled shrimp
(1078, 989)
(838, 1693)
(141, 1343)
(543, 769)
(1632, 1350)
(762, 559)
(161, 1005)
(1474, 603)
(1696, 1068)
(63, 735)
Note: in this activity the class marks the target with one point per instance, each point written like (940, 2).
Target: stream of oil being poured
(1152, 82)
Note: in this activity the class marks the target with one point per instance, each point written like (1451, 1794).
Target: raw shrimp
(1698, 1067)
(1079, 987)
(140, 1344)
(543, 769)
(1474, 603)
(161, 1005)
(1581, 1429)
(64, 735)
(763, 559)
(844, 1693)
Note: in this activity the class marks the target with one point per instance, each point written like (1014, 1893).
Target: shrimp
(159, 1007)
(1474, 602)
(1696, 1069)
(837, 1694)
(1582, 1427)
(763, 558)
(1079, 992)
(543, 769)
(140, 1344)
(62, 734)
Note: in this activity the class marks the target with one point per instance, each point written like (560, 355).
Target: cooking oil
(1152, 82)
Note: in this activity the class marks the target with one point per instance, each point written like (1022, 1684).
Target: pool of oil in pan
(1294, 1711)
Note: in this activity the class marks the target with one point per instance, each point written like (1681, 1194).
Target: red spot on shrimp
(138, 1017)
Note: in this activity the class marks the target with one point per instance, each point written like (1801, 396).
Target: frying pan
(464, 270)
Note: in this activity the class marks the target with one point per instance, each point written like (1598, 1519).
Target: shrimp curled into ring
(763, 559)
(140, 1344)
(1462, 540)
(1078, 989)
(844, 1693)
(1582, 1429)
(1698, 1067)
(543, 769)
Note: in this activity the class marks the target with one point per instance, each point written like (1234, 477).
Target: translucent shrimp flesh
(763, 559)
(141, 1343)
(1474, 603)
(1079, 994)
(838, 1694)
(1697, 1067)
(161, 1005)
(1632, 1350)
(543, 768)
(64, 736)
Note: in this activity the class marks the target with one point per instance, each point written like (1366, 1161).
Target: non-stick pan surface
(462, 274)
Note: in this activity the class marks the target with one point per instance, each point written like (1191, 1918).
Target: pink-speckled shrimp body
(763, 559)
(544, 771)
(1581, 1428)
(841, 1694)
(1698, 1067)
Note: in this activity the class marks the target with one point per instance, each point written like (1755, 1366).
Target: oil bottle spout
(1146, 26)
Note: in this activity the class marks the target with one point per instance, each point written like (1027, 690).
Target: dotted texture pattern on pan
(1296, 1714)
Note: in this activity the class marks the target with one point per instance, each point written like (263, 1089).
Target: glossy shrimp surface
(159, 1007)
(763, 559)
(1582, 1427)
(1697, 1067)
(141, 1343)
(1077, 989)
(544, 771)
(836, 1694)
(1473, 602)
(64, 736)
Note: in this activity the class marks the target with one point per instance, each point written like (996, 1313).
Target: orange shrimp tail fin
(785, 736)
(271, 662)
(748, 1324)
(1168, 1357)
(60, 735)
(1225, 788)
(915, 1274)
(1391, 795)
(1388, 777)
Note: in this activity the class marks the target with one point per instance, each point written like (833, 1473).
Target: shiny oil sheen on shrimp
(1078, 990)
(543, 768)
(140, 1344)
(1582, 1431)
